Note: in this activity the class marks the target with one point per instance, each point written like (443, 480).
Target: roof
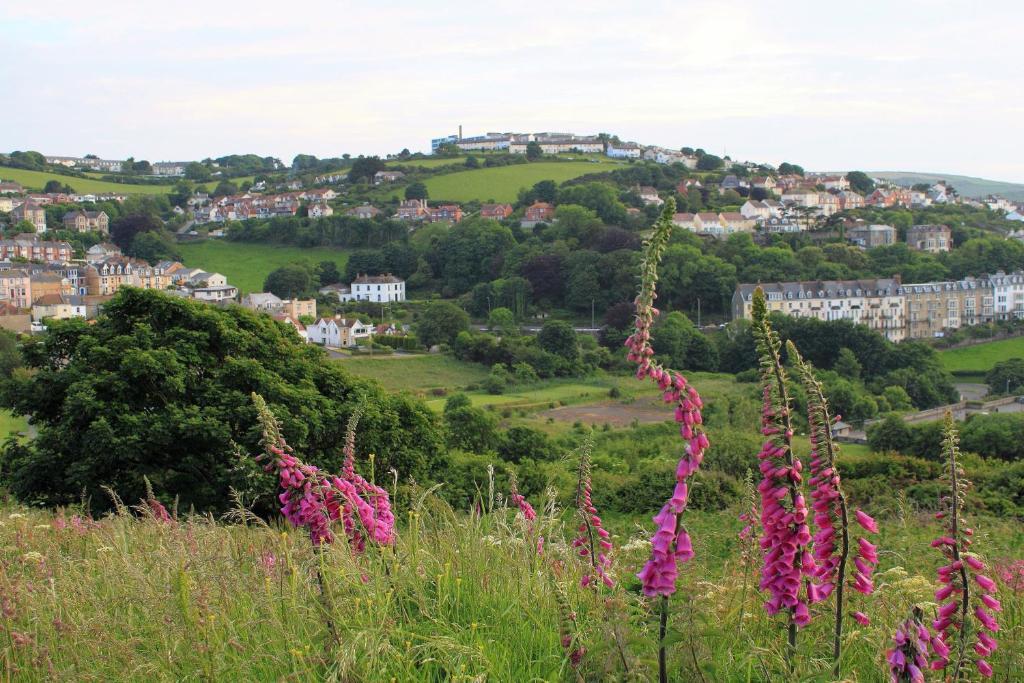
(258, 298)
(49, 300)
(830, 288)
(386, 278)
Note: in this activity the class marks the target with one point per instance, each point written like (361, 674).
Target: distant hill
(967, 186)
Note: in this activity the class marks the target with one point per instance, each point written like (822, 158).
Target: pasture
(35, 180)
(980, 358)
(246, 265)
(502, 183)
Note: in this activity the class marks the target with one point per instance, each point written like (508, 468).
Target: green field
(10, 424)
(416, 373)
(427, 163)
(502, 183)
(35, 180)
(980, 358)
(246, 265)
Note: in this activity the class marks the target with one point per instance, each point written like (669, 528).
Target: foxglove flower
(966, 594)
(831, 513)
(529, 514)
(313, 499)
(592, 542)
(908, 658)
(786, 536)
(670, 544)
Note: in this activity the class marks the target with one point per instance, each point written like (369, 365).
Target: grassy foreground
(247, 265)
(460, 598)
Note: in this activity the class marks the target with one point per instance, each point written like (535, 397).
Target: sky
(895, 85)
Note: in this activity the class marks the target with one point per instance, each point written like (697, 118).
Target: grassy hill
(427, 163)
(246, 265)
(980, 358)
(502, 183)
(36, 180)
(967, 186)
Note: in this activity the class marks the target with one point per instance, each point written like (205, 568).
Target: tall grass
(461, 597)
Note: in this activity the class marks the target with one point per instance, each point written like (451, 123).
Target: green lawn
(502, 183)
(246, 265)
(980, 358)
(11, 424)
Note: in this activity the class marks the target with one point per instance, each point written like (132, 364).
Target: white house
(262, 301)
(338, 332)
(378, 288)
(215, 294)
(319, 210)
(624, 150)
(1008, 291)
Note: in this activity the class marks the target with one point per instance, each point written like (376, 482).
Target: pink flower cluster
(956, 597)
(158, 510)
(313, 499)
(671, 542)
(826, 497)
(785, 534)
(592, 538)
(1012, 574)
(954, 578)
(517, 499)
(908, 659)
(382, 529)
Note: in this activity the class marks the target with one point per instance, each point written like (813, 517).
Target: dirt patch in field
(647, 410)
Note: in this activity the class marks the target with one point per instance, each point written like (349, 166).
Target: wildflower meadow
(363, 580)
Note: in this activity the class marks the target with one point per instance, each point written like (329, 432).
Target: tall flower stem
(954, 524)
(786, 536)
(670, 545)
(973, 629)
(662, 631)
(830, 503)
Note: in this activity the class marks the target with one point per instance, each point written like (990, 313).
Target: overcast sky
(876, 85)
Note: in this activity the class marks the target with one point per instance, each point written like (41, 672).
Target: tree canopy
(159, 387)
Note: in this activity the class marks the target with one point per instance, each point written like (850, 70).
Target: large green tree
(159, 387)
(290, 280)
(439, 322)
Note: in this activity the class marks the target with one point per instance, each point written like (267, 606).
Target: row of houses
(563, 143)
(420, 210)
(896, 310)
(91, 163)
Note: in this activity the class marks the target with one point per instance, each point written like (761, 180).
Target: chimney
(460, 131)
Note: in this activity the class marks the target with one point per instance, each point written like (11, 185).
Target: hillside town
(65, 277)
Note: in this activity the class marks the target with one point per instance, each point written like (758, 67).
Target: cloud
(878, 85)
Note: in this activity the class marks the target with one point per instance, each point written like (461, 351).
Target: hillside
(247, 265)
(967, 186)
(35, 180)
(502, 183)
